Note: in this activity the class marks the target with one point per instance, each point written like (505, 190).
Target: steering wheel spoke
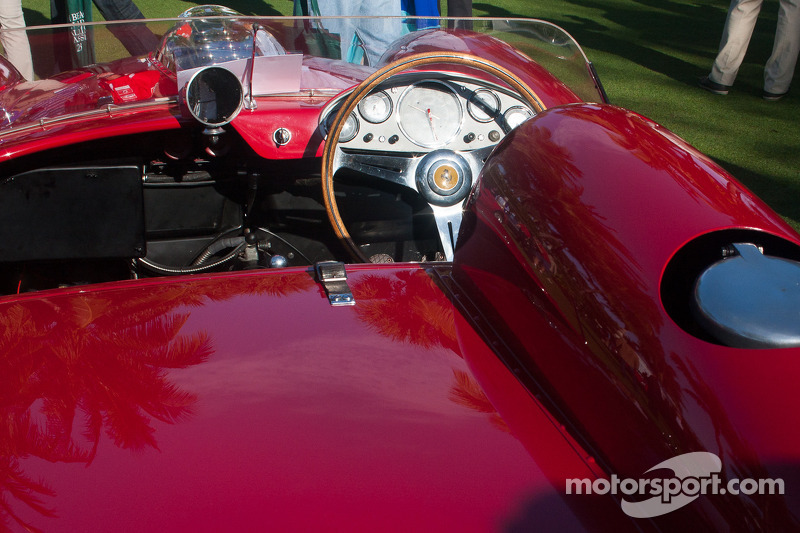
(448, 222)
(393, 168)
(476, 158)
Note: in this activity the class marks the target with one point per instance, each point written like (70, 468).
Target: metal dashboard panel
(394, 134)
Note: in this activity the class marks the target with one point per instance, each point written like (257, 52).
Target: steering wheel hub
(443, 177)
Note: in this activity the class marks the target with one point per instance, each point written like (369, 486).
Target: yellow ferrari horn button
(445, 177)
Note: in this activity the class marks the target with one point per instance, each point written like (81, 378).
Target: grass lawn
(649, 56)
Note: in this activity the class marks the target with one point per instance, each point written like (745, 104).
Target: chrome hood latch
(333, 277)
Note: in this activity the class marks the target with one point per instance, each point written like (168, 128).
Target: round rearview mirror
(214, 96)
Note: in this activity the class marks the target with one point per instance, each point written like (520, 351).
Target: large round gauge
(429, 114)
(483, 105)
(514, 116)
(376, 107)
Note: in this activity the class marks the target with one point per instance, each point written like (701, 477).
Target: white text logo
(694, 474)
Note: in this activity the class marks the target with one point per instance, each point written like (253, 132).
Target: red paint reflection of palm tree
(61, 365)
(468, 393)
(100, 361)
(407, 307)
(22, 488)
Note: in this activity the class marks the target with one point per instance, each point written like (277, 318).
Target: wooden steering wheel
(442, 177)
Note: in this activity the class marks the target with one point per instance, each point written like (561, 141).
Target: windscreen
(202, 37)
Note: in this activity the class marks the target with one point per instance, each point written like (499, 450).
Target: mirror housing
(214, 96)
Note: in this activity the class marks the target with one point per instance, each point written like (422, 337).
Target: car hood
(246, 401)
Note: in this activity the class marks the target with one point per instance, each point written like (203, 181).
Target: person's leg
(15, 43)
(136, 38)
(459, 8)
(118, 9)
(736, 35)
(58, 12)
(300, 8)
(781, 64)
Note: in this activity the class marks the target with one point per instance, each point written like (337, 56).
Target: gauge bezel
(516, 108)
(343, 139)
(383, 117)
(473, 112)
(447, 88)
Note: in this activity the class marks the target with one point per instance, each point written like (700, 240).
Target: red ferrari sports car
(377, 274)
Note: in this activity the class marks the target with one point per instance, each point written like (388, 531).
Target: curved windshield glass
(354, 39)
(211, 35)
(132, 61)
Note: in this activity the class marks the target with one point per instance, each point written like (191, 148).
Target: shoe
(712, 86)
(766, 95)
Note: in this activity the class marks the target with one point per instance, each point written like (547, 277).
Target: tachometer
(376, 107)
(430, 114)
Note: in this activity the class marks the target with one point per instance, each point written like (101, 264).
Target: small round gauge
(350, 129)
(483, 105)
(514, 116)
(376, 107)
(429, 113)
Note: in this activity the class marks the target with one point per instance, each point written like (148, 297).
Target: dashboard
(425, 111)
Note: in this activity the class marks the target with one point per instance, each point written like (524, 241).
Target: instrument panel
(423, 112)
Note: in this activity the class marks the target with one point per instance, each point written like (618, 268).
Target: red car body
(557, 344)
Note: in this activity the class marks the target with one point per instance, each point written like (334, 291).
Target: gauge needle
(427, 112)
(430, 116)
(430, 121)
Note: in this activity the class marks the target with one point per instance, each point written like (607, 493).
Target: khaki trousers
(14, 38)
(736, 35)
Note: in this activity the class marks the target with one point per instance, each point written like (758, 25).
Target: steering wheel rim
(364, 88)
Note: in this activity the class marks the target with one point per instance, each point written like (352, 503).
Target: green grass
(649, 55)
